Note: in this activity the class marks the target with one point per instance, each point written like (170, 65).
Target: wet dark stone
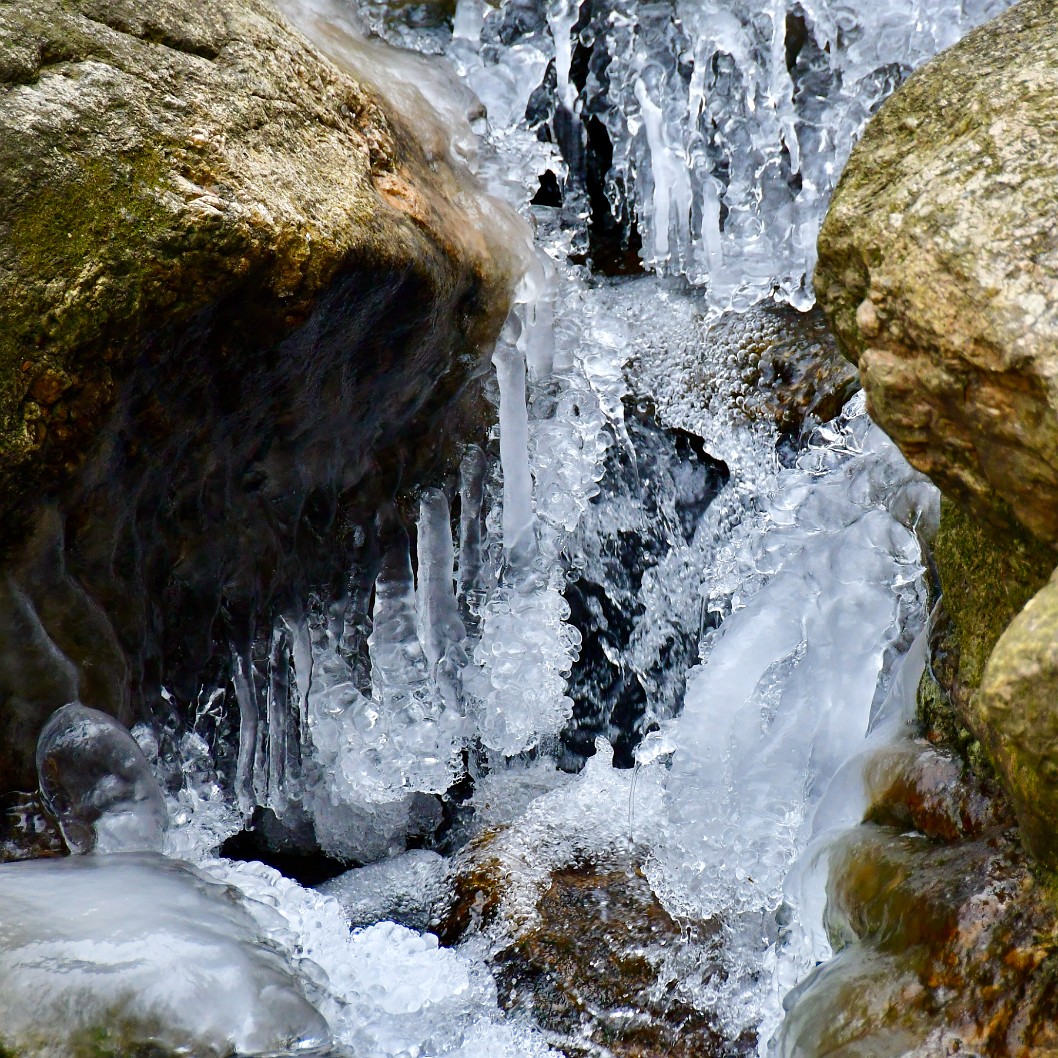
(232, 478)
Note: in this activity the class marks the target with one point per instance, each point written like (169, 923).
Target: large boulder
(236, 294)
(938, 267)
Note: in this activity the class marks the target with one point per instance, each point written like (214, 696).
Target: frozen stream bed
(747, 584)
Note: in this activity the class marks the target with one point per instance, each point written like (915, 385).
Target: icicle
(242, 679)
(397, 664)
(438, 611)
(514, 447)
(278, 722)
(561, 17)
(471, 495)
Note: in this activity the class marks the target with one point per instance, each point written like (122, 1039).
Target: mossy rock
(241, 297)
(938, 271)
(944, 947)
(154, 160)
(1017, 709)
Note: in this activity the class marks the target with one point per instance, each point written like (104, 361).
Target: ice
(387, 991)
(98, 784)
(141, 951)
(603, 816)
(729, 120)
(514, 448)
(411, 889)
(787, 690)
(440, 628)
(844, 805)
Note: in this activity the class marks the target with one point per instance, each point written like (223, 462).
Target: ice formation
(728, 122)
(138, 950)
(386, 991)
(98, 784)
(788, 686)
(411, 889)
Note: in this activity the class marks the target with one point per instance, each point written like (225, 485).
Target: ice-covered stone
(96, 781)
(387, 991)
(140, 951)
(411, 889)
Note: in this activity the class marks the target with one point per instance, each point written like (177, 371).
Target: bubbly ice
(98, 784)
(387, 991)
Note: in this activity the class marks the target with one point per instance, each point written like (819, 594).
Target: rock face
(1017, 709)
(235, 295)
(939, 269)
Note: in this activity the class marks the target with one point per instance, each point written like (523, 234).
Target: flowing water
(645, 565)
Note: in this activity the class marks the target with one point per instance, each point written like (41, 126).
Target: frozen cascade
(787, 689)
(729, 122)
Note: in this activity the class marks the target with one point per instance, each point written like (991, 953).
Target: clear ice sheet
(139, 944)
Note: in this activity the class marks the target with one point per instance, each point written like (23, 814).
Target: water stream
(646, 567)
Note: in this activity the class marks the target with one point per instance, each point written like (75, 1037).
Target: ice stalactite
(729, 121)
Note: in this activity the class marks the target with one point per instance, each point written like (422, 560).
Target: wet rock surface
(235, 296)
(587, 950)
(937, 268)
(595, 962)
(593, 970)
(947, 940)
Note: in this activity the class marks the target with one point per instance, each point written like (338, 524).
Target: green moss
(108, 211)
(986, 582)
(118, 1034)
(113, 201)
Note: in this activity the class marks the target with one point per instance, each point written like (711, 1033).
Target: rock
(1018, 716)
(596, 959)
(27, 829)
(914, 785)
(593, 971)
(236, 295)
(985, 579)
(944, 947)
(938, 269)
